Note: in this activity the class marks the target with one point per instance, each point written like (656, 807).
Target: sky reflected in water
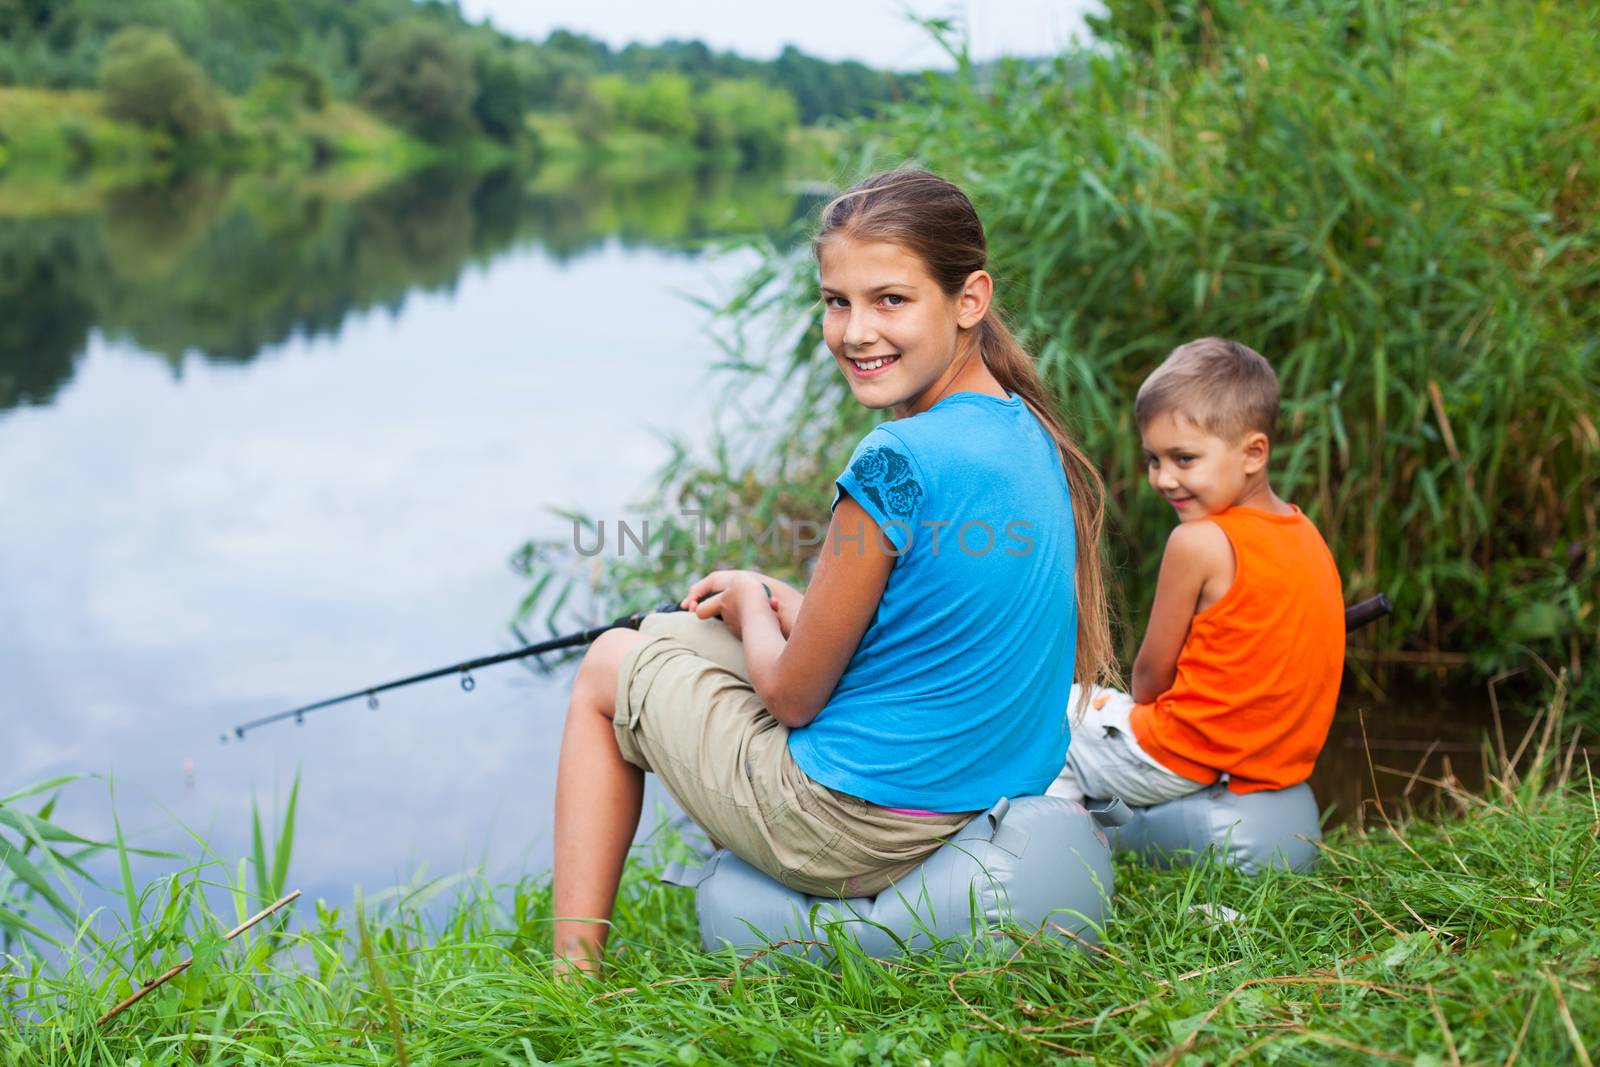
(185, 550)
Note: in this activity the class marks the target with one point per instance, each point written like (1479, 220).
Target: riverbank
(1468, 939)
(57, 133)
(59, 149)
(641, 152)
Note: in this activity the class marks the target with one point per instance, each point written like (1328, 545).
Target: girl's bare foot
(577, 960)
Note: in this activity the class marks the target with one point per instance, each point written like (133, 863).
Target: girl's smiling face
(900, 340)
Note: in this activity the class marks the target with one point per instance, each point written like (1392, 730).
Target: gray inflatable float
(1036, 862)
(1251, 831)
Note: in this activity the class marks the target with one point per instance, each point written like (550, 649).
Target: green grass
(1466, 937)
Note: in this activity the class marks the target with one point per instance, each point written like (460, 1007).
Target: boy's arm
(1197, 553)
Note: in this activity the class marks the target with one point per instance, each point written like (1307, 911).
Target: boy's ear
(1257, 449)
(972, 304)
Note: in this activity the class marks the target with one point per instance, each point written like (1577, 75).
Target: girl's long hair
(933, 219)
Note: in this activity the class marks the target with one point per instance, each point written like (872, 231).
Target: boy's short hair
(1221, 386)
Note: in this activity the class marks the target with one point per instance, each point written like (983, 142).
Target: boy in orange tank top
(1239, 669)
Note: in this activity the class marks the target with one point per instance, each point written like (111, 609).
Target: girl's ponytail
(1096, 662)
(933, 219)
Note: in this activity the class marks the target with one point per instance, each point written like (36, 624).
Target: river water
(286, 449)
(264, 442)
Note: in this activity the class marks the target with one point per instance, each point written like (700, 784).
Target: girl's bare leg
(598, 797)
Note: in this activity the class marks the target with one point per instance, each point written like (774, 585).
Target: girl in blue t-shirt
(834, 738)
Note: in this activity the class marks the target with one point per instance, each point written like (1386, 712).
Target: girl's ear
(1257, 449)
(972, 303)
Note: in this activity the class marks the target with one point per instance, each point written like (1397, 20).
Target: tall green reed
(1398, 215)
(39, 868)
(1332, 188)
(271, 865)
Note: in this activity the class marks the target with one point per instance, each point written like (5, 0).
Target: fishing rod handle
(1366, 611)
(633, 621)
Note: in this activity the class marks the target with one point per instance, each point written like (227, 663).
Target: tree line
(423, 66)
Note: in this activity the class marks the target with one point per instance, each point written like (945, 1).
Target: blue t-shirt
(957, 694)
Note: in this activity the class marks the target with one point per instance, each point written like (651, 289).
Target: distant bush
(148, 80)
(501, 102)
(742, 116)
(303, 83)
(420, 77)
(749, 116)
(663, 103)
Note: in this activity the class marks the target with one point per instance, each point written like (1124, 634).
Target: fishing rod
(1366, 611)
(555, 644)
(1355, 616)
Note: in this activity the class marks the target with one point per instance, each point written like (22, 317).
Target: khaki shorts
(687, 712)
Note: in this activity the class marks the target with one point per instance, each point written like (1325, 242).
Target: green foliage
(1145, 25)
(820, 89)
(272, 876)
(1397, 215)
(592, 106)
(743, 119)
(501, 104)
(419, 77)
(553, 80)
(37, 874)
(662, 104)
(752, 118)
(271, 864)
(839, 90)
(288, 86)
(244, 46)
(1385, 211)
(148, 80)
(41, 869)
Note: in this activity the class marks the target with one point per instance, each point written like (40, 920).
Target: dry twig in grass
(177, 969)
(1571, 1027)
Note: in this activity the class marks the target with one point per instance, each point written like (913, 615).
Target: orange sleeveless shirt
(1259, 673)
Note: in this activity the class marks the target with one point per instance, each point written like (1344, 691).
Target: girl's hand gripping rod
(555, 644)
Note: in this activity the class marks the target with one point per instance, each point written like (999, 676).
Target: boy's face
(1199, 473)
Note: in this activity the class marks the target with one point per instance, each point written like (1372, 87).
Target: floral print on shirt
(888, 481)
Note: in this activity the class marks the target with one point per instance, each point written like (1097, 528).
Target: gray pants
(1104, 759)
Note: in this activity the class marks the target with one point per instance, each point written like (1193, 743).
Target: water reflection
(225, 267)
(275, 440)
